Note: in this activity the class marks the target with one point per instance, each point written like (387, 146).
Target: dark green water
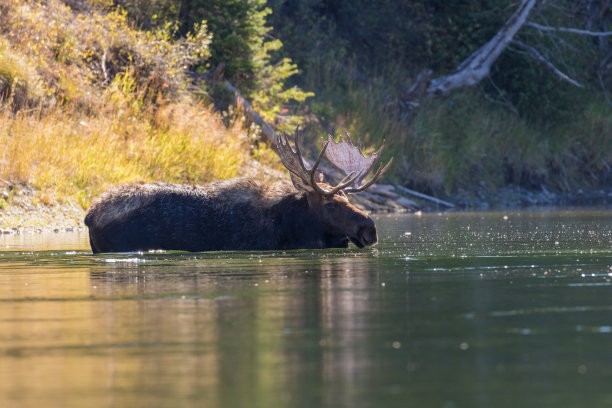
(453, 310)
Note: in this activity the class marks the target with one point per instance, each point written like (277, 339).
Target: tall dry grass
(77, 156)
(88, 101)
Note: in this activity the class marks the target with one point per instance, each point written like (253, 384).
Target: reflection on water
(78, 240)
(496, 309)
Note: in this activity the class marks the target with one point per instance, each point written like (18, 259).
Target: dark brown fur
(239, 214)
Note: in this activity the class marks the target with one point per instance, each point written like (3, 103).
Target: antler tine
(381, 170)
(286, 153)
(313, 170)
(349, 181)
(294, 161)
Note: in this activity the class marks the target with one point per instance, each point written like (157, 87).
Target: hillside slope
(87, 101)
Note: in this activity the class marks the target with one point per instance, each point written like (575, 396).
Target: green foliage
(242, 46)
(518, 127)
(241, 49)
(239, 29)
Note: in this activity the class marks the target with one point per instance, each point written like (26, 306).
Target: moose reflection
(243, 213)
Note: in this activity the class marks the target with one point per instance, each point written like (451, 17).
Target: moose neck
(298, 226)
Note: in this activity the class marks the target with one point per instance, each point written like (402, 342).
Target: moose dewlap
(241, 214)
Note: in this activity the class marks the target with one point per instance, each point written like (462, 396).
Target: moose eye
(330, 206)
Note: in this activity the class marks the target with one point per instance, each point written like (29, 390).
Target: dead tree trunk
(476, 67)
(267, 132)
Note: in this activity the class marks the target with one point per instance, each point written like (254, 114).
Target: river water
(449, 310)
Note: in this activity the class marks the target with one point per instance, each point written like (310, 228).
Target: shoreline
(24, 210)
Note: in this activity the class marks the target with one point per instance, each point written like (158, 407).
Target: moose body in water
(244, 213)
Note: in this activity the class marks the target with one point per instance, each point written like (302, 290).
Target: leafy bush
(80, 50)
(519, 127)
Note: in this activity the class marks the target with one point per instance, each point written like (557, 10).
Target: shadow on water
(459, 309)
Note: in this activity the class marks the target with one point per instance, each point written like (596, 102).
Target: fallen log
(425, 196)
(267, 132)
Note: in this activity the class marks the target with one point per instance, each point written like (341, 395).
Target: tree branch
(536, 54)
(570, 30)
(267, 132)
(478, 65)
(603, 88)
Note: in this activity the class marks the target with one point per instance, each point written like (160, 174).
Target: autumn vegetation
(70, 128)
(100, 92)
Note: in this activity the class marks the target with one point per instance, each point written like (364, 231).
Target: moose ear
(300, 184)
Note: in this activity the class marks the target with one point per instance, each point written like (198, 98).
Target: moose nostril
(368, 235)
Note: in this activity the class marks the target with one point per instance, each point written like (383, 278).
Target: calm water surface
(452, 310)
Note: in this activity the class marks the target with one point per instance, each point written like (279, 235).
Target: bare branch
(503, 101)
(570, 30)
(536, 54)
(103, 63)
(603, 88)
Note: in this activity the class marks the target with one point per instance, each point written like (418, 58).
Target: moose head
(340, 219)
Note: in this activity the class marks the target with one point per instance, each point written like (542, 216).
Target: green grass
(463, 142)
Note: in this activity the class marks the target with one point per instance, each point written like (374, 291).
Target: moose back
(240, 214)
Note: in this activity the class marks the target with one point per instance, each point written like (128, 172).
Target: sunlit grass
(77, 156)
(88, 101)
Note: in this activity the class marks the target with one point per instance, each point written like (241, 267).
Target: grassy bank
(89, 102)
(463, 144)
(520, 128)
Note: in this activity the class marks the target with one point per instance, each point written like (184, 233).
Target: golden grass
(102, 103)
(75, 157)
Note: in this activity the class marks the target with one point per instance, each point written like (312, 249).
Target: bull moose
(243, 213)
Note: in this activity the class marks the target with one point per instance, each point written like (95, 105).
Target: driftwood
(425, 197)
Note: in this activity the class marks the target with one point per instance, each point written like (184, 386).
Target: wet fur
(239, 214)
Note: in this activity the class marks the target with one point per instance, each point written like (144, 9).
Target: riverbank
(23, 209)
(26, 210)
(517, 197)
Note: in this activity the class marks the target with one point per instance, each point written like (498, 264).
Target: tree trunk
(478, 65)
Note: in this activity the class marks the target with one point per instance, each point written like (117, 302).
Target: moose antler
(294, 162)
(350, 159)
